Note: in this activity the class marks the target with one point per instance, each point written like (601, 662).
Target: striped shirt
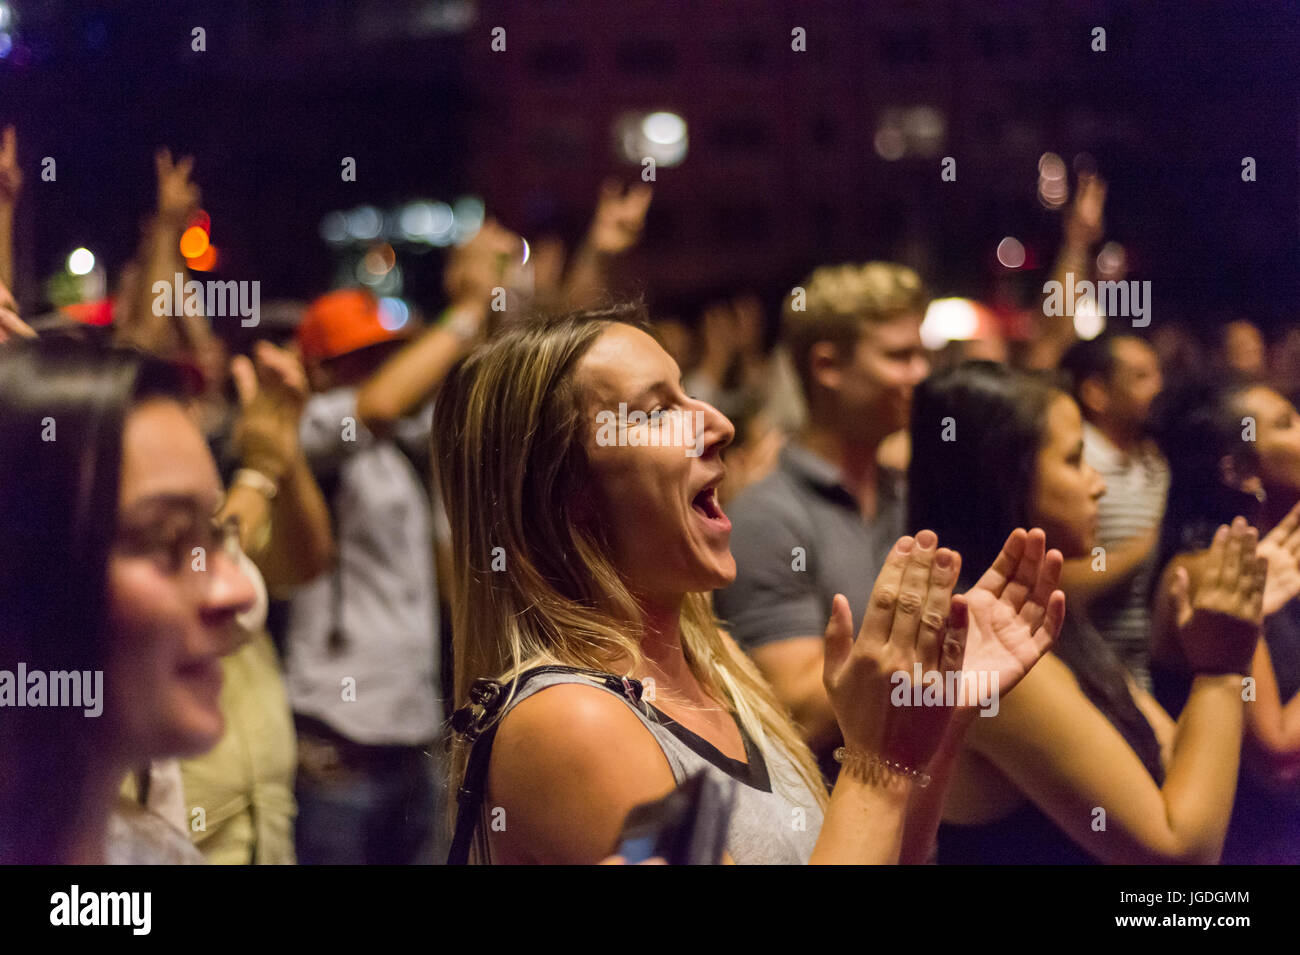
(1136, 488)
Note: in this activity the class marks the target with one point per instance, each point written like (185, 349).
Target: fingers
(9, 145)
(938, 602)
(1213, 567)
(1049, 577)
(839, 636)
(953, 653)
(1054, 618)
(12, 325)
(1255, 595)
(879, 618)
(245, 376)
(639, 197)
(1180, 605)
(1289, 529)
(912, 593)
(996, 577)
(1230, 574)
(1026, 573)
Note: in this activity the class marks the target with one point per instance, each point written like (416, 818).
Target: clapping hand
(1219, 626)
(1016, 610)
(912, 619)
(1281, 549)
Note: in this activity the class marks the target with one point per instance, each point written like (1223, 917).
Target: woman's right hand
(911, 618)
(1219, 626)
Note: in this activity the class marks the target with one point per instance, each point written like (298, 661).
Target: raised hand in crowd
(615, 229)
(472, 277)
(1082, 229)
(283, 520)
(11, 181)
(11, 326)
(159, 259)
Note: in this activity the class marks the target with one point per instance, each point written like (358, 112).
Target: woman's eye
(171, 552)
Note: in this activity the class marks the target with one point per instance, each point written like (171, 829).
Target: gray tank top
(776, 818)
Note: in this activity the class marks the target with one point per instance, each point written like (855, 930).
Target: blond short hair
(834, 302)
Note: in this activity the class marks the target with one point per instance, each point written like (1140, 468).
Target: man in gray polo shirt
(825, 520)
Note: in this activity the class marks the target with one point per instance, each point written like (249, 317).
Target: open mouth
(706, 505)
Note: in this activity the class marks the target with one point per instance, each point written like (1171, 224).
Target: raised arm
(409, 378)
(283, 519)
(1272, 722)
(159, 261)
(1085, 583)
(11, 180)
(1083, 228)
(616, 228)
(911, 619)
(1061, 752)
(1015, 612)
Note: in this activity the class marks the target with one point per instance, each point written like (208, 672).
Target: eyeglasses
(179, 544)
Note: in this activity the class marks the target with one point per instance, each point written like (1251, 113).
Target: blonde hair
(509, 437)
(835, 300)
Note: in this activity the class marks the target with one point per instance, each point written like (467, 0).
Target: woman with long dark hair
(116, 587)
(1079, 765)
(1235, 449)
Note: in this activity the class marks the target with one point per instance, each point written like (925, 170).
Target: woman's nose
(230, 591)
(719, 432)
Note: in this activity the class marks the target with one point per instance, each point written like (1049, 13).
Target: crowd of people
(362, 593)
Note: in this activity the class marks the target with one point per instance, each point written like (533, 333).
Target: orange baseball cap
(342, 322)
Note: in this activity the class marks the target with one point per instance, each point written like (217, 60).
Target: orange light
(201, 219)
(205, 262)
(194, 242)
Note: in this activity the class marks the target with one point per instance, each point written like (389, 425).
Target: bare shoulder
(567, 765)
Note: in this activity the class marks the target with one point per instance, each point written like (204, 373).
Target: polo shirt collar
(810, 468)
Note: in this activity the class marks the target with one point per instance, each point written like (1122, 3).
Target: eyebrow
(168, 501)
(658, 387)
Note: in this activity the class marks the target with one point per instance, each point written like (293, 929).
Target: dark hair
(974, 490)
(1196, 427)
(63, 406)
(1094, 358)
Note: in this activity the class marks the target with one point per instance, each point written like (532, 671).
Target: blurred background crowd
(400, 181)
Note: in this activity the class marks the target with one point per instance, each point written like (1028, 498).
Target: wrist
(880, 771)
(464, 319)
(265, 466)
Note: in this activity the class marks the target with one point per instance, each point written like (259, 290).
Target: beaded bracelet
(873, 767)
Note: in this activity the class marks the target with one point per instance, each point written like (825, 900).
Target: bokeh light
(949, 319)
(81, 261)
(194, 242)
(1011, 253)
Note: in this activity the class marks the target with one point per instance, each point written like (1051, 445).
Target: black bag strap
(477, 724)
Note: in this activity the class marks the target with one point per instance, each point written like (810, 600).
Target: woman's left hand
(1016, 610)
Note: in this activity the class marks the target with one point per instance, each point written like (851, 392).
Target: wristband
(256, 480)
(875, 770)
